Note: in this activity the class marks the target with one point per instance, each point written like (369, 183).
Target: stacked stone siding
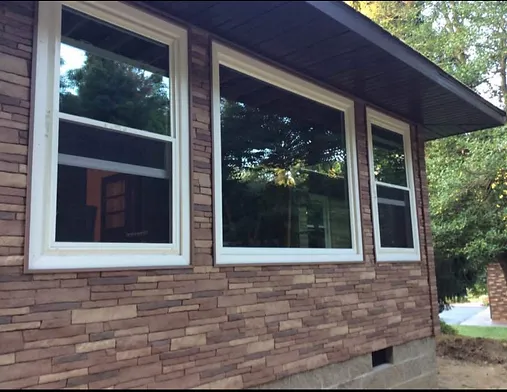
(208, 326)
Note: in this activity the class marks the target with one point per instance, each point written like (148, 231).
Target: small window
(106, 178)
(287, 187)
(394, 218)
(382, 357)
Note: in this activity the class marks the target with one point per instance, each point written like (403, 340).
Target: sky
(483, 91)
(74, 58)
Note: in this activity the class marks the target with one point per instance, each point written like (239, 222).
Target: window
(394, 217)
(285, 177)
(110, 184)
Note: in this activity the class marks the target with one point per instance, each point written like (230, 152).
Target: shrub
(447, 329)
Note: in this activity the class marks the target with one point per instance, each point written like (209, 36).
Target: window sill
(397, 257)
(52, 263)
(266, 256)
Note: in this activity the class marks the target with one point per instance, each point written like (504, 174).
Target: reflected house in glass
(217, 194)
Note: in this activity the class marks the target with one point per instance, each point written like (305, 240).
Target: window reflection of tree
(392, 190)
(274, 156)
(117, 93)
(389, 157)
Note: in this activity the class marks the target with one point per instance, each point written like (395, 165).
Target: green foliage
(466, 173)
(468, 208)
(447, 329)
(117, 93)
(479, 289)
(467, 185)
(447, 32)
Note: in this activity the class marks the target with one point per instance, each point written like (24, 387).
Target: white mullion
(403, 188)
(99, 164)
(114, 127)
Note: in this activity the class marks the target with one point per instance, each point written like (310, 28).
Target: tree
(446, 32)
(468, 208)
(466, 173)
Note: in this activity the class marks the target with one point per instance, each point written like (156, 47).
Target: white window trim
(44, 252)
(222, 55)
(393, 254)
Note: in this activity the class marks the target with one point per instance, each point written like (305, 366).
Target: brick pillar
(497, 291)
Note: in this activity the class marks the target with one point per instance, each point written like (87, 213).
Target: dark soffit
(331, 43)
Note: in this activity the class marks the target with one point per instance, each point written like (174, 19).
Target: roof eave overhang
(362, 26)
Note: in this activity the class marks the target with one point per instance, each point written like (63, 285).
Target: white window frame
(384, 254)
(44, 252)
(222, 55)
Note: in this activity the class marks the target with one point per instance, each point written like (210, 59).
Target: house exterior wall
(207, 326)
(497, 291)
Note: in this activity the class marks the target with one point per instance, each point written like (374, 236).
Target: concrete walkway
(473, 314)
(483, 319)
(459, 314)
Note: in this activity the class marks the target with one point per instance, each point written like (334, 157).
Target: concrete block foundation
(413, 365)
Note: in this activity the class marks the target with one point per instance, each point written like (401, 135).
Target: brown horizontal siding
(202, 325)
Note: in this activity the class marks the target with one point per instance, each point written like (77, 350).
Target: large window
(285, 167)
(110, 139)
(394, 218)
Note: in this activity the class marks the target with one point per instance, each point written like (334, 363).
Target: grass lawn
(482, 332)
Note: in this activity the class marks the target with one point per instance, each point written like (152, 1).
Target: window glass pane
(394, 218)
(104, 206)
(112, 75)
(85, 141)
(284, 171)
(388, 156)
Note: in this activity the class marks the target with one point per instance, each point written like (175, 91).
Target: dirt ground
(469, 363)
(454, 374)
